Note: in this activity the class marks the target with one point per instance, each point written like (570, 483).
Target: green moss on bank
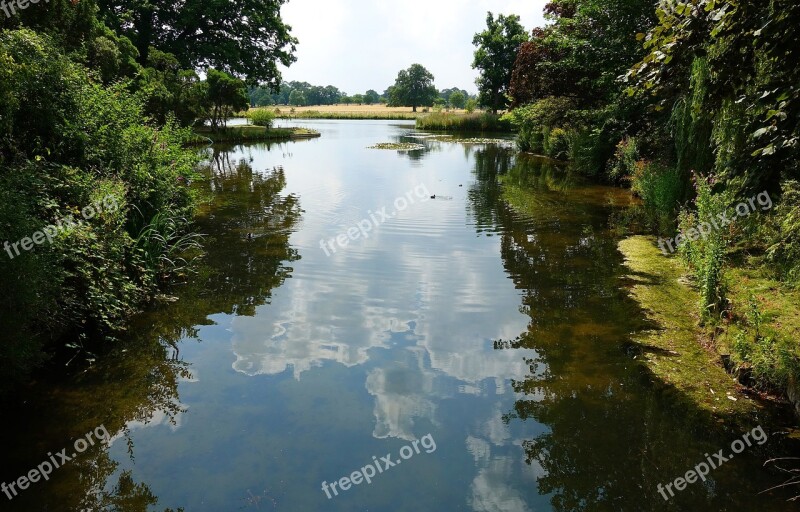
(677, 352)
(251, 133)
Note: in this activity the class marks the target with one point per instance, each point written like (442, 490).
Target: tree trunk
(413, 108)
(144, 30)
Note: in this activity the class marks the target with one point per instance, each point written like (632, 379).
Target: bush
(534, 121)
(661, 189)
(783, 235)
(262, 117)
(471, 106)
(556, 145)
(79, 144)
(623, 165)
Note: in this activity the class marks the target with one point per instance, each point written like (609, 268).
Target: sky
(357, 45)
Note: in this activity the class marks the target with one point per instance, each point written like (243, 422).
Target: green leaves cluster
(496, 52)
(413, 88)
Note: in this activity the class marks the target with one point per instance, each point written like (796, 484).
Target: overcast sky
(358, 45)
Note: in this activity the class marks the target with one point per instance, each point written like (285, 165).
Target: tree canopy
(414, 87)
(246, 38)
(497, 49)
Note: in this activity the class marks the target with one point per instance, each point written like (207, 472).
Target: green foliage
(226, 95)
(262, 117)
(626, 156)
(693, 125)
(471, 105)
(772, 360)
(480, 122)
(80, 144)
(661, 190)
(532, 121)
(457, 100)
(298, 99)
(163, 243)
(556, 144)
(371, 97)
(496, 52)
(413, 87)
(782, 233)
(246, 38)
(706, 255)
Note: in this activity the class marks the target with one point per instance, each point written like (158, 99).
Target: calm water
(497, 326)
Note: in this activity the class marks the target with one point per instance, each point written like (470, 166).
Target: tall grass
(164, 245)
(706, 255)
(662, 190)
(477, 122)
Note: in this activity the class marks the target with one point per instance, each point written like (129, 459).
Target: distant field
(349, 112)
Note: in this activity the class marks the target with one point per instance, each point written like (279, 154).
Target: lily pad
(398, 146)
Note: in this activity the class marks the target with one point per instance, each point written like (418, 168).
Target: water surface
(498, 326)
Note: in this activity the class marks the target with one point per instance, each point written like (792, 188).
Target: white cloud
(360, 44)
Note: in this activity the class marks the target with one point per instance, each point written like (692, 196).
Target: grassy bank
(251, 134)
(455, 122)
(692, 357)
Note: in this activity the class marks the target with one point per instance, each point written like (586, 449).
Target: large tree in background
(246, 38)
(414, 87)
(497, 51)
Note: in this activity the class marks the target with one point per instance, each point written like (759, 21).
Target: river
(480, 339)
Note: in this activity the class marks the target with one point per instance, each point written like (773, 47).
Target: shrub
(783, 235)
(556, 145)
(262, 117)
(623, 164)
(534, 121)
(661, 190)
(79, 144)
(471, 106)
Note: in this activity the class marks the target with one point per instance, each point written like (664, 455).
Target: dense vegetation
(301, 94)
(94, 204)
(694, 105)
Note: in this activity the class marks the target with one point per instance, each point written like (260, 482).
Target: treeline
(95, 98)
(300, 94)
(694, 105)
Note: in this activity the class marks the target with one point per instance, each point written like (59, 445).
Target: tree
(372, 97)
(358, 99)
(471, 105)
(226, 94)
(297, 98)
(497, 51)
(414, 87)
(457, 99)
(246, 38)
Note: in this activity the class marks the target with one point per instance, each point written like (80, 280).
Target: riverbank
(350, 112)
(695, 360)
(250, 133)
